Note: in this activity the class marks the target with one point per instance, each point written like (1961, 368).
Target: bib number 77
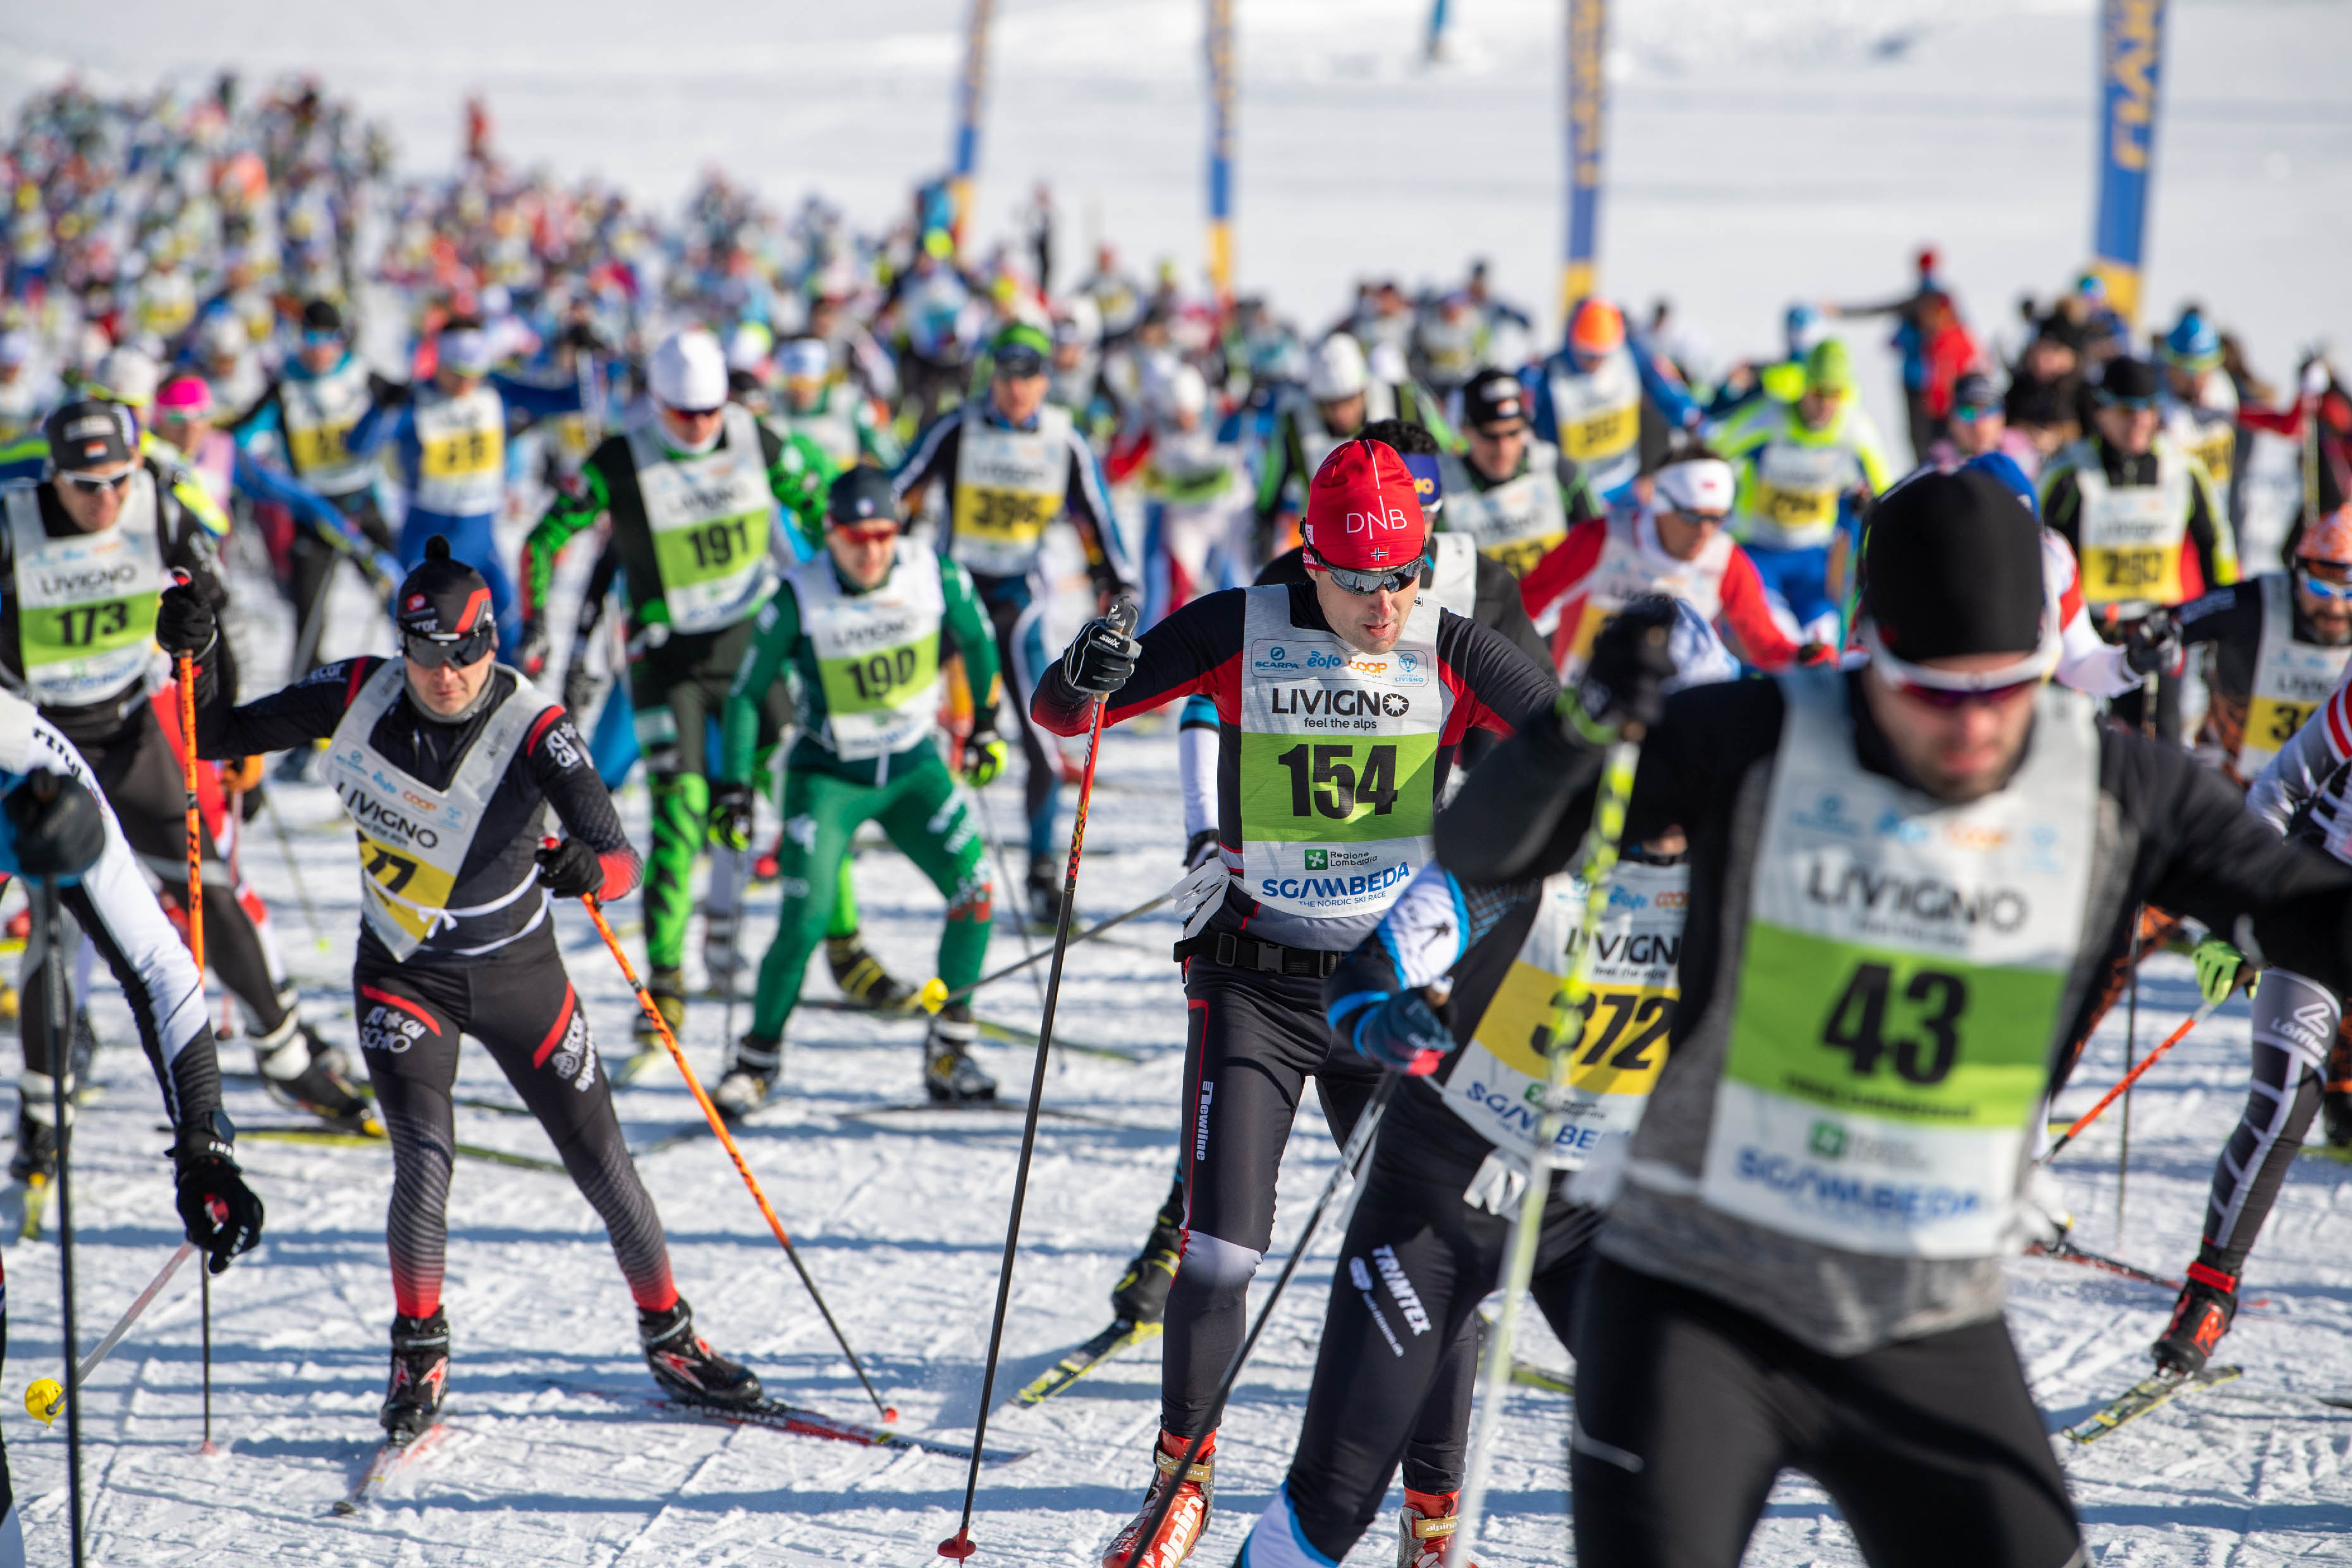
(1917, 1029)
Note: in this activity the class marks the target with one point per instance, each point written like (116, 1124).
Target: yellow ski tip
(42, 1400)
(934, 996)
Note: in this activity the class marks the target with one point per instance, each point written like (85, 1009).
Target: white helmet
(129, 375)
(689, 372)
(1388, 363)
(749, 347)
(223, 335)
(1183, 389)
(1337, 370)
(1077, 319)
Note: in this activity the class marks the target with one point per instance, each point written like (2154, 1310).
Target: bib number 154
(1324, 780)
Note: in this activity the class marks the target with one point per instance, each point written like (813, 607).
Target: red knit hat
(1362, 511)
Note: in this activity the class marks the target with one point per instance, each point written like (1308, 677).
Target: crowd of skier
(1938, 738)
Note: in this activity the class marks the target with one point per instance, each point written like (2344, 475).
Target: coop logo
(1930, 899)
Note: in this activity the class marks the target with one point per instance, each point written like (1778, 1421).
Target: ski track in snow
(900, 1219)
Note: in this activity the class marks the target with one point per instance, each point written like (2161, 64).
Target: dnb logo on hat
(417, 601)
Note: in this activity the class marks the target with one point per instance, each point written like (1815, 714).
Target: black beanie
(442, 597)
(1952, 565)
(861, 495)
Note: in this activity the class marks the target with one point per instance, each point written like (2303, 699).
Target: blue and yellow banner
(1587, 104)
(970, 92)
(2131, 54)
(1221, 147)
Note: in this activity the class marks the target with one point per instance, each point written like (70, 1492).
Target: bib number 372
(1915, 1027)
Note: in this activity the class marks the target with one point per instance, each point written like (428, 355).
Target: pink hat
(183, 397)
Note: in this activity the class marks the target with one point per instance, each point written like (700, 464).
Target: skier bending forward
(446, 761)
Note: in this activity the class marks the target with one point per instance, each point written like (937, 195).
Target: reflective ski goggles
(2307, 578)
(1019, 363)
(98, 484)
(1367, 583)
(1950, 689)
(865, 532)
(430, 651)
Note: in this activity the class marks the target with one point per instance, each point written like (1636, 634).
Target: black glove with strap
(569, 870)
(1625, 678)
(1102, 656)
(57, 825)
(2152, 646)
(222, 1214)
(184, 624)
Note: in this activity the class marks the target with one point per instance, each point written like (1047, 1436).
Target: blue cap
(1426, 485)
(2192, 344)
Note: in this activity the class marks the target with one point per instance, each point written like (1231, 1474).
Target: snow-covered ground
(900, 1218)
(1774, 150)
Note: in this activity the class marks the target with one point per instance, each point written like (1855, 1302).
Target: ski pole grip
(1123, 615)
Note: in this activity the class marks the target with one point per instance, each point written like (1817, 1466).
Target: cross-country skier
(1340, 703)
(2142, 517)
(864, 626)
(1454, 989)
(1803, 1269)
(1511, 495)
(693, 491)
(83, 554)
(1012, 464)
(1589, 398)
(447, 763)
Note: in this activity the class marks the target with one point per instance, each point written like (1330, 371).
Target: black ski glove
(1200, 849)
(569, 870)
(731, 816)
(58, 826)
(1102, 658)
(184, 624)
(2152, 646)
(222, 1214)
(1624, 679)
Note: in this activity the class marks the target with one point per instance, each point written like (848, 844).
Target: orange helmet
(2329, 539)
(1596, 327)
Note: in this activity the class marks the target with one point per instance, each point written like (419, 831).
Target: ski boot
(1142, 1294)
(1188, 1516)
(753, 1067)
(687, 1367)
(36, 1159)
(293, 1076)
(420, 1375)
(864, 982)
(2208, 1304)
(1042, 892)
(1425, 1527)
(323, 1051)
(78, 1051)
(949, 1075)
(668, 988)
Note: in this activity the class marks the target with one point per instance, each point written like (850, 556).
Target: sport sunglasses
(431, 652)
(1367, 583)
(98, 484)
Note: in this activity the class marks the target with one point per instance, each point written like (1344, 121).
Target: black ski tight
(519, 1003)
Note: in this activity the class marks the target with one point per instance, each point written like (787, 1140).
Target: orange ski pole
(727, 1141)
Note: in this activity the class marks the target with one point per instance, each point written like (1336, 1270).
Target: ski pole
(727, 1140)
(1563, 1035)
(42, 1400)
(205, 1284)
(2146, 1062)
(195, 818)
(1029, 953)
(935, 993)
(960, 1545)
(54, 1024)
(2131, 1043)
(1352, 1155)
(293, 869)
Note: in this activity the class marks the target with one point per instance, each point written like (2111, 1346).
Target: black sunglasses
(432, 652)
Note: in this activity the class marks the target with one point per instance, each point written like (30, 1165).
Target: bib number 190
(1929, 1047)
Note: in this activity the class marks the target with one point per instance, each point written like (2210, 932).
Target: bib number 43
(1917, 1028)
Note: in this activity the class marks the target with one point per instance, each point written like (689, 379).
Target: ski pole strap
(2129, 1078)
